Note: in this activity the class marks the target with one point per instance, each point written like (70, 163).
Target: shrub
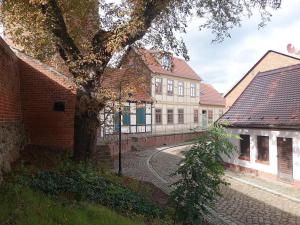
(201, 174)
(83, 183)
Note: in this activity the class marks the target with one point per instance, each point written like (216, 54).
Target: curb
(217, 218)
(150, 167)
(264, 188)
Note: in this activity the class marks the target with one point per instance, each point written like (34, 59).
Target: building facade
(266, 118)
(175, 91)
(212, 105)
(174, 100)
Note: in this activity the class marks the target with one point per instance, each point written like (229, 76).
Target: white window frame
(193, 90)
(180, 88)
(170, 87)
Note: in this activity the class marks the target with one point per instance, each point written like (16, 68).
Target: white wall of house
(272, 168)
(164, 101)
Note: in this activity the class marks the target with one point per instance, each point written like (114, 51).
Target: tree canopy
(86, 34)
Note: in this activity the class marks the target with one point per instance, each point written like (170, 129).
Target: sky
(224, 64)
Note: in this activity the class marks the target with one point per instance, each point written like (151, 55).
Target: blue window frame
(126, 116)
(116, 121)
(141, 116)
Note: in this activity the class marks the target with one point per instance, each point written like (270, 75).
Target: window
(193, 90)
(196, 117)
(116, 121)
(210, 116)
(158, 119)
(166, 62)
(180, 116)
(158, 86)
(140, 116)
(244, 147)
(170, 116)
(126, 116)
(59, 106)
(262, 149)
(170, 87)
(180, 88)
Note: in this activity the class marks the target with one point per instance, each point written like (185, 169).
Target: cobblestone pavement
(240, 203)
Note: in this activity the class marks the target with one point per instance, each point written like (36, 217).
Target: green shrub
(84, 183)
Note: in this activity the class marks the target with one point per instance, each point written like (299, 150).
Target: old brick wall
(271, 61)
(41, 88)
(12, 137)
(150, 141)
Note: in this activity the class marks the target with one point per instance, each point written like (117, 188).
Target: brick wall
(150, 141)
(41, 87)
(271, 61)
(12, 137)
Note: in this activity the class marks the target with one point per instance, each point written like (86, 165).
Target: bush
(83, 183)
(201, 174)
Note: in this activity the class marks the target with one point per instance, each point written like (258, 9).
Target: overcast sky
(223, 64)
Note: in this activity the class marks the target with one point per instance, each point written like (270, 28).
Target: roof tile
(210, 96)
(271, 100)
(180, 67)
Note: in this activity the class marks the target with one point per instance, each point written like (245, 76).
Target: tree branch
(142, 16)
(66, 46)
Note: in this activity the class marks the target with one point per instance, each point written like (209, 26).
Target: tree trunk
(86, 125)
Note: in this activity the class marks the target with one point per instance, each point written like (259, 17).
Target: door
(204, 119)
(285, 159)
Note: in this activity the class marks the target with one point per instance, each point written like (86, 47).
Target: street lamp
(120, 128)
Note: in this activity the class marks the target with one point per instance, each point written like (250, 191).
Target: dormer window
(166, 62)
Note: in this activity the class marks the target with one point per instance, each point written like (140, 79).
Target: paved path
(240, 203)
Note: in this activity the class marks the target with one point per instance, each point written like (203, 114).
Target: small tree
(201, 174)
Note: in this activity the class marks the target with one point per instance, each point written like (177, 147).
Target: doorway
(285, 159)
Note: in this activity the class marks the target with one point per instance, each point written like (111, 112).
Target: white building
(175, 90)
(267, 118)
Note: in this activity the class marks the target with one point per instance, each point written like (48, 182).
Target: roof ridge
(270, 72)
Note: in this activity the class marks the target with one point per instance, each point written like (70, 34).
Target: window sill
(262, 162)
(246, 158)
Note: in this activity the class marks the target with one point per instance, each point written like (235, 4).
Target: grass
(20, 205)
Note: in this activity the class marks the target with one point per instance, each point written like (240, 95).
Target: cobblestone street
(240, 204)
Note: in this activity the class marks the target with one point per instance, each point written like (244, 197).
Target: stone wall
(12, 136)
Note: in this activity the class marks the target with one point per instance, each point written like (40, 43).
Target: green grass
(20, 205)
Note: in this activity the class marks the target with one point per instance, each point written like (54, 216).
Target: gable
(271, 60)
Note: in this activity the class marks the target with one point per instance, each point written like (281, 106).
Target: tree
(201, 173)
(87, 33)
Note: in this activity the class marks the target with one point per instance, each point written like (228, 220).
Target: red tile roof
(113, 77)
(272, 100)
(180, 67)
(210, 96)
